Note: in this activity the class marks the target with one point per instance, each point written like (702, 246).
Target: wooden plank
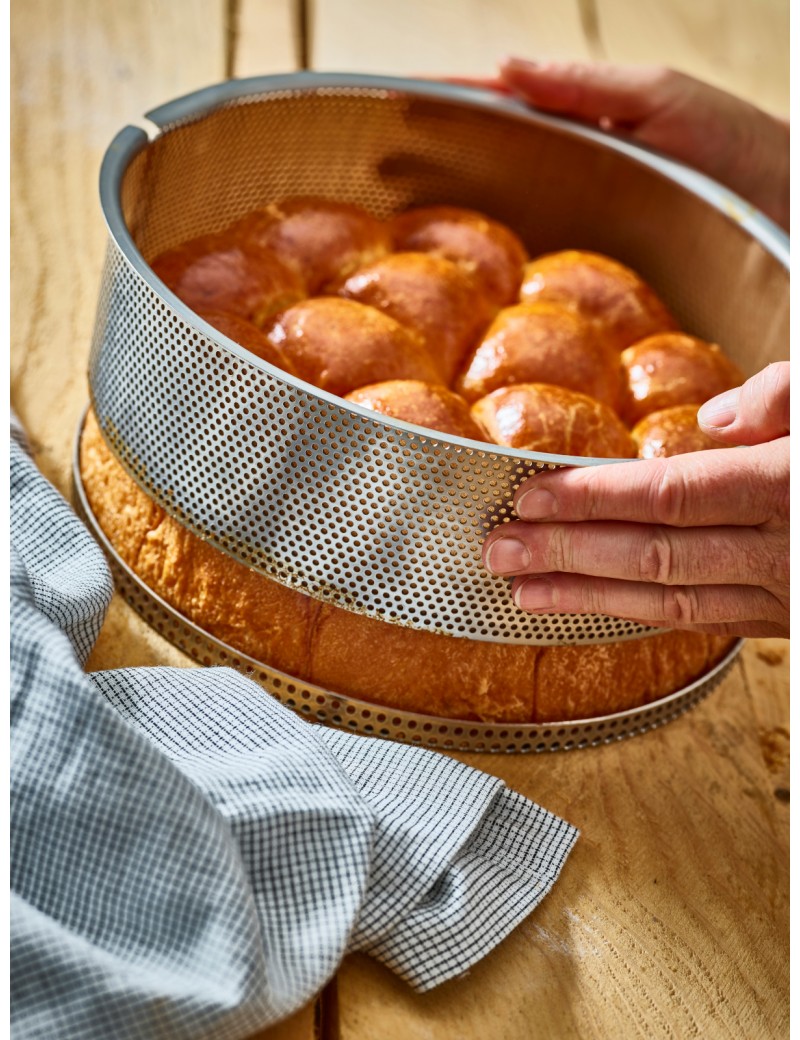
(266, 37)
(301, 1026)
(671, 916)
(82, 69)
(739, 45)
(440, 37)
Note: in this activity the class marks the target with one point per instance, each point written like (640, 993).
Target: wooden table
(671, 916)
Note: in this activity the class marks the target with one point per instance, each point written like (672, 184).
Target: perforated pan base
(333, 709)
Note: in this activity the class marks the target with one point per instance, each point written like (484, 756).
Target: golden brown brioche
(422, 404)
(672, 431)
(540, 417)
(487, 249)
(672, 368)
(399, 667)
(249, 336)
(434, 297)
(361, 657)
(543, 343)
(220, 273)
(321, 240)
(257, 616)
(625, 308)
(583, 682)
(464, 679)
(339, 345)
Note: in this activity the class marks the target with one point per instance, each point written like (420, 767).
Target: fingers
(592, 92)
(733, 486)
(699, 541)
(733, 609)
(641, 553)
(753, 413)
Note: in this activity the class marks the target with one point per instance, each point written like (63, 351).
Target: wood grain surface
(671, 917)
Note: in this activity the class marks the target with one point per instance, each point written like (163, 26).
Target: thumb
(753, 413)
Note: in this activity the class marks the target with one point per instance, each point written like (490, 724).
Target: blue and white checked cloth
(190, 859)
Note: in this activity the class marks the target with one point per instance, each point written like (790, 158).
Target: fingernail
(507, 556)
(720, 411)
(536, 504)
(535, 594)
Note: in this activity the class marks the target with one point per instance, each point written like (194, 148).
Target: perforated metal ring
(334, 709)
(379, 517)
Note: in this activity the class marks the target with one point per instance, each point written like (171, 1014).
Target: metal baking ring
(332, 709)
(371, 514)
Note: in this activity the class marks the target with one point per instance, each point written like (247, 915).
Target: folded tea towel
(190, 859)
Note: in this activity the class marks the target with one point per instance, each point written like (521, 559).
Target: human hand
(717, 133)
(697, 542)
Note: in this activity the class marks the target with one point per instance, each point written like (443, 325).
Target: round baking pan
(334, 709)
(379, 516)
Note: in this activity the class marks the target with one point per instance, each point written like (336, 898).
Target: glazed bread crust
(674, 368)
(672, 431)
(544, 418)
(623, 306)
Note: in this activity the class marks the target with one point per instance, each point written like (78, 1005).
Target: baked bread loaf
(250, 336)
(422, 404)
(339, 345)
(539, 417)
(434, 297)
(543, 343)
(360, 657)
(672, 431)
(487, 249)
(323, 241)
(223, 273)
(623, 306)
(672, 368)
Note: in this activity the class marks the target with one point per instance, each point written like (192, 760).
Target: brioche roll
(422, 404)
(384, 664)
(321, 240)
(543, 343)
(672, 431)
(222, 273)
(434, 297)
(249, 336)
(671, 369)
(624, 307)
(339, 345)
(540, 417)
(490, 251)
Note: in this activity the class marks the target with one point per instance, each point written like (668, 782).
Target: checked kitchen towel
(190, 859)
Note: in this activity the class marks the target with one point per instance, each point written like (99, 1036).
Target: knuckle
(669, 496)
(560, 554)
(782, 499)
(767, 560)
(656, 561)
(681, 605)
(776, 390)
(778, 567)
(594, 599)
